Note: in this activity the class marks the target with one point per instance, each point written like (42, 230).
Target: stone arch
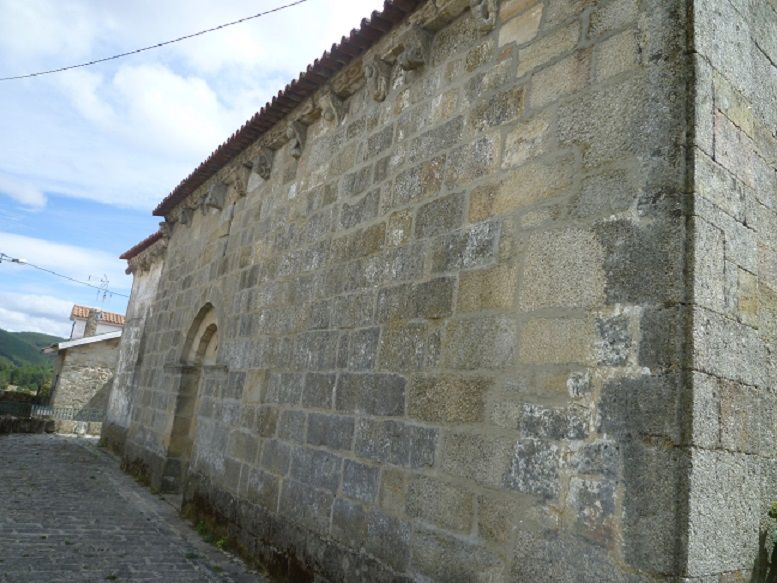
(200, 350)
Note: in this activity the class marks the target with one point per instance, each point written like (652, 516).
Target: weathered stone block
(432, 299)
(363, 349)
(630, 251)
(291, 426)
(529, 139)
(560, 79)
(276, 456)
(242, 446)
(483, 342)
(307, 506)
(439, 216)
(497, 109)
(535, 468)
(613, 342)
(605, 19)
(563, 269)
(260, 488)
(641, 406)
(332, 431)
(364, 209)
(406, 346)
(472, 247)
(600, 458)
(417, 183)
(728, 349)
(360, 481)
(395, 443)
(485, 289)
(522, 29)
(441, 503)
(616, 55)
(557, 341)
(371, 393)
(317, 468)
(547, 48)
(568, 423)
(445, 558)
(483, 459)
(388, 539)
(349, 523)
(393, 490)
(592, 503)
(447, 399)
(533, 182)
(318, 390)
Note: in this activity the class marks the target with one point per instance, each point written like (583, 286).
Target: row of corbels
(410, 52)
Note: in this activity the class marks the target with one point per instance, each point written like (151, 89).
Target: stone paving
(69, 514)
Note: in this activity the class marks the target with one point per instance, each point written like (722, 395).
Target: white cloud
(76, 262)
(22, 192)
(35, 313)
(126, 132)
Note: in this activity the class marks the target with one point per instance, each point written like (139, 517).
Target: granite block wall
(732, 474)
(453, 309)
(146, 269)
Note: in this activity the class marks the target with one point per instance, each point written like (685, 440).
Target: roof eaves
(308, 82)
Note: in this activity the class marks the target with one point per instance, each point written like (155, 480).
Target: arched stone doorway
(200, 350)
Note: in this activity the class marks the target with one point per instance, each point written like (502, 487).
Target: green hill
(22, 364)
(24, 347)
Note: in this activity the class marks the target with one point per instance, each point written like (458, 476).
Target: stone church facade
(489, 293)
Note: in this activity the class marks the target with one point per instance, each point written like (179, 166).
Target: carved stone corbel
(378, 75)
(296, 132)
(263, 163)
(166, 228)
(186, 215)
(484, 12)
(332, 107)
(216, 196)
(415, 49)
(239, 180)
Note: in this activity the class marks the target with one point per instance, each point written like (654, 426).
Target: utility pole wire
(156, 46)
(8, 258)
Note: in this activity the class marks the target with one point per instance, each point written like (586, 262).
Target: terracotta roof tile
(314, 77)
(142, 246)
(107, 317)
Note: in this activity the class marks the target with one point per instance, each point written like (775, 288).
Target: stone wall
(733, 465)
(146, 269)
(451, 320)
(83, 375)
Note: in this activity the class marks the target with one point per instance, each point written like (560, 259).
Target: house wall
(79, 326)
(451, 333)
(146, 271)
(84, 375)
(733, 465)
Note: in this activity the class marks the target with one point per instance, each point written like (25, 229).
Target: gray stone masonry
(507, 314)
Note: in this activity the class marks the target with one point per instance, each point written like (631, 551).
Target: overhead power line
(103, 288)
(156, 46)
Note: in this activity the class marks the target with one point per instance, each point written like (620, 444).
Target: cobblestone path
(69, 514)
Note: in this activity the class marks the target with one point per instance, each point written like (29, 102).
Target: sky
(86, 154)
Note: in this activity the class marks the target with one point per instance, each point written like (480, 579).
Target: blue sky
(85, 155)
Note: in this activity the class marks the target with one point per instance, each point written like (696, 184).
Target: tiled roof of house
(106, 317)
(142, 246)
(314, 77)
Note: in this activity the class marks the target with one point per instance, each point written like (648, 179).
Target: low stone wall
(11, 424)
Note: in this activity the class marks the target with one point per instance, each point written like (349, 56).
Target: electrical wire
(8, 258)
(156, 46)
